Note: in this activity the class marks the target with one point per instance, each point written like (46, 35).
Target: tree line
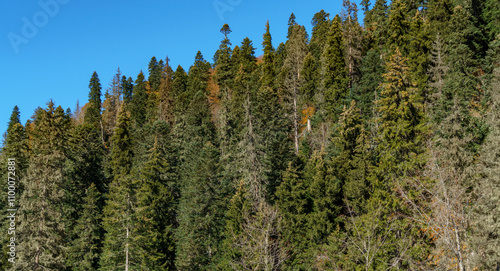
(370, 146)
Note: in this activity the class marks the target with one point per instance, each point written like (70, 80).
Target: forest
(370, 145)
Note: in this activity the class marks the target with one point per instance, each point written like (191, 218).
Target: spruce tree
(156, 203)
(121, 250)
(351, 161)
(85, 249)
(295, 204)
(14, 146)
(41, 231)
(352, 38)
(321, 25)
(93, 112)
(138, 111)
(334, 74)
(202, 192)
(487, 208)
(402, 136)
(268, 74)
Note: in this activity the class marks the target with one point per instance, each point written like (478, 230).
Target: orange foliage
(213, 93)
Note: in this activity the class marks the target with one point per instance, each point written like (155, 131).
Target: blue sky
(50, 48)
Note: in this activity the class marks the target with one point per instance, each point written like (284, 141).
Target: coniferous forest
(370, 145)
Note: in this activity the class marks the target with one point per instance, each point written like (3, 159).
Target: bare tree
(260, 241)
(447, 212)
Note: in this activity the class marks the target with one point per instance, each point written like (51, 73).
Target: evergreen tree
(295, 204)
(138, 109)
(488, 189)
(352, 37)
(93, 111)
(179, 85)
(401, 154)
(296, 52)
(291, 23)
(367, 90)
(85, 249)
(41, 231)
(268, 74)
(202, 192)
(14, 146)
(111, 104)
(121, 250)
(165, 95)
(321, 25)
(334, 72)
(376, 22)
(157, 203)
(351, 161)
(155, 68)
(127, 87)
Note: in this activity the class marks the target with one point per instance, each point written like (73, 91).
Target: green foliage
(93, 112)
(267, 77)
(41, 230)
(85, 249)
(351, 160)
(321, 25)
(262, 164)
(334, 72)
(156, 202)
(139, 101)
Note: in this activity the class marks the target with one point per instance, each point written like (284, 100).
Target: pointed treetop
(93, 112)
(15, 117)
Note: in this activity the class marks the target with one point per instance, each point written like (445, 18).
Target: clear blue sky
(50, 52)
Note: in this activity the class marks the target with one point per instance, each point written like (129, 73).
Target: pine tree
(41, 230)
(85, 249)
